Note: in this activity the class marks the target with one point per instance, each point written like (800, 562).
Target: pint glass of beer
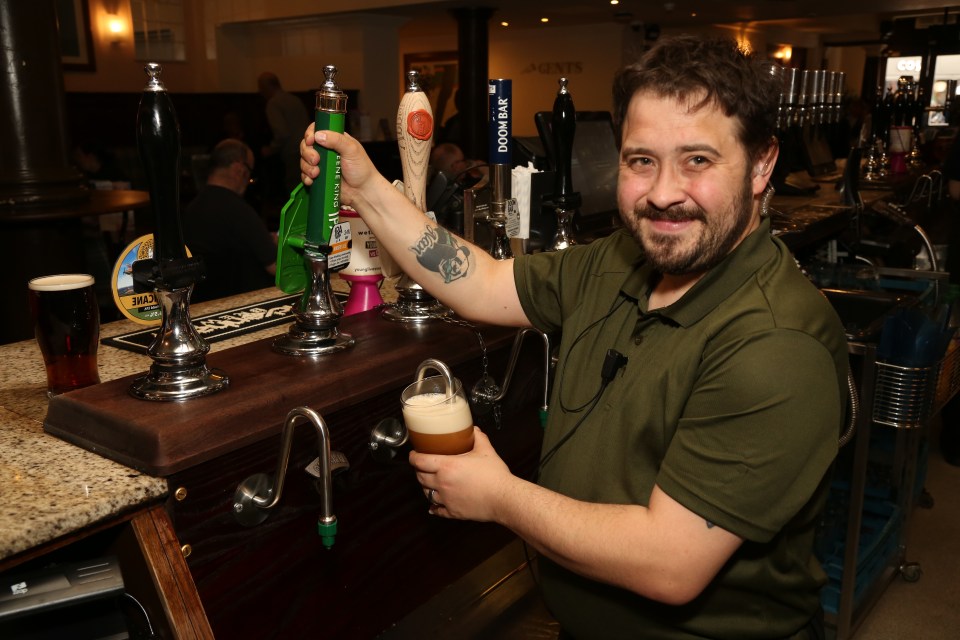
(66, 321)
(437, 417)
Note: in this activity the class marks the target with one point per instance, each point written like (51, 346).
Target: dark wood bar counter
(390, 556)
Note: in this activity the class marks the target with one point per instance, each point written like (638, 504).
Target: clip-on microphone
(612, 363)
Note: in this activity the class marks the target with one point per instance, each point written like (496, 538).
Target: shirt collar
(713, 288)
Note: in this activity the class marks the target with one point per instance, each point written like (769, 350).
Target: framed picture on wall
(438, 79)
(76, 43)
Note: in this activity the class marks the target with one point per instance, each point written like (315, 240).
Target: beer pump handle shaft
(158, 143)
(414, 136)
(563, 126)
(324, 205)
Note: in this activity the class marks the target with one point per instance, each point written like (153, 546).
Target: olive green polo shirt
(732, 401)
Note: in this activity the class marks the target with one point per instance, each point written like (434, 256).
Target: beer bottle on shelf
(886, 116)
(900, 106)
(918, 109)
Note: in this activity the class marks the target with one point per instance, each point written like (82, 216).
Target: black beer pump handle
(158, 142)
(564, 127)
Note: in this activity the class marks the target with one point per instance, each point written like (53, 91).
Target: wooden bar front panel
(275, 580)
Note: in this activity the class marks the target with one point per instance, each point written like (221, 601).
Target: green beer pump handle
(324, 208)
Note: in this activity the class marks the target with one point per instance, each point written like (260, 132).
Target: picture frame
(439, 79)
(76, 39)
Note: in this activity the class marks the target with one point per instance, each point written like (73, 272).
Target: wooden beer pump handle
(414, 137)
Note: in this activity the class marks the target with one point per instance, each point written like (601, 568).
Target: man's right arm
(460, 275)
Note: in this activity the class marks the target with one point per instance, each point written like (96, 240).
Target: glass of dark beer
(66, 321)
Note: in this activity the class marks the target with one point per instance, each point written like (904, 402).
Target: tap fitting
(259, 493)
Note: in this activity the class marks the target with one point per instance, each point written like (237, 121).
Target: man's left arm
(662, 551)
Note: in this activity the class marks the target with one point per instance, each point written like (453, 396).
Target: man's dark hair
(704, 71)
(227, 152)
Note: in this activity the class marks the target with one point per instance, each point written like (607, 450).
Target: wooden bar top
(162, 438)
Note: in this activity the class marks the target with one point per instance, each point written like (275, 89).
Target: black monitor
(595, 163)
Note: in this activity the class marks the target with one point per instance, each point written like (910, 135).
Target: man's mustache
(673, 214)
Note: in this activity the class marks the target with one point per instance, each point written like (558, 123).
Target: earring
(765, 198)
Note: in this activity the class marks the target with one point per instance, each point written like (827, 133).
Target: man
(222, 228)
(681, 477)
(287, 117)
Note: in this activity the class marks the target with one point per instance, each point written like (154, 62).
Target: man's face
(686, 187)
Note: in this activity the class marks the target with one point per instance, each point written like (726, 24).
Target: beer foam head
(61, 282)
(436, 413)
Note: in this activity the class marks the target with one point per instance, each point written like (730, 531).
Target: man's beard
(718, 234)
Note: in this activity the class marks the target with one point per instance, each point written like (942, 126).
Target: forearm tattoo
(440, 251)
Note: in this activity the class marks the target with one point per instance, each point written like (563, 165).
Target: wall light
(116, 27)
(784, 53)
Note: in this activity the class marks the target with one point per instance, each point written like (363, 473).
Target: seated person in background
(448, 158)
(223, 229)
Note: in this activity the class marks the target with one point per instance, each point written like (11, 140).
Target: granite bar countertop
(49, 488)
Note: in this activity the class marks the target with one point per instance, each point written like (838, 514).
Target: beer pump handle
(563, 128)
(324, 205)
(158, 143)
(414, 136)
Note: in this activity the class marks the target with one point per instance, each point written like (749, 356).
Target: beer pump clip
(313, 243)
(490, 200)
(414, 135)
(179, 370)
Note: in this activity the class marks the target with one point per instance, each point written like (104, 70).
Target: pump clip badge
(142, 308)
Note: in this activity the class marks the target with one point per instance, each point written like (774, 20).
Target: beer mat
(221, 325)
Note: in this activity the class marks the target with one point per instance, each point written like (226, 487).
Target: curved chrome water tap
(259, 493)
(491, 394)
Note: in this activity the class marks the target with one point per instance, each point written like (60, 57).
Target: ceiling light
(504, 24)
(544, 20)
(614, 2)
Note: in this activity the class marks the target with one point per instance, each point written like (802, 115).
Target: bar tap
(312, 242)
(490, 201)
(789, 97)
(414, 135)
(565, 199)
(793, 114)
(179, 370)
(260, 492)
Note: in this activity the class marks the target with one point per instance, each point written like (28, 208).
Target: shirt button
(637, 339)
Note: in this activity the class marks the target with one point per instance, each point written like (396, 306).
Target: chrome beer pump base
(500, 190)
(179, 370)
(563, 238)
(414, 304)
(316, 329)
